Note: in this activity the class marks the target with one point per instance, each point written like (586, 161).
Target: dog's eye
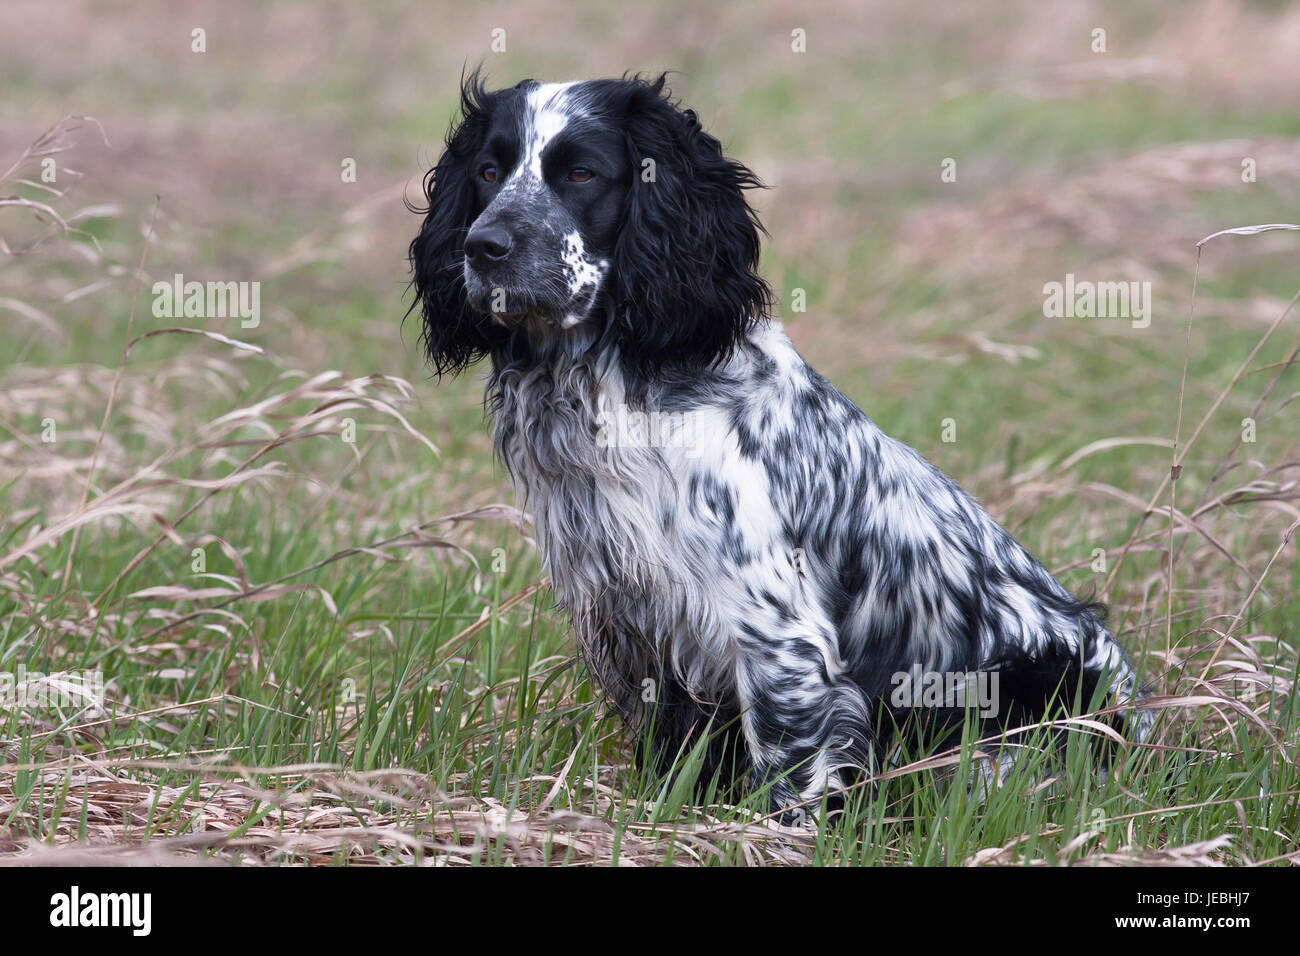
(580, 174)
(488, 173)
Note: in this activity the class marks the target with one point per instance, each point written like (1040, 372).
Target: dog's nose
(487, 245)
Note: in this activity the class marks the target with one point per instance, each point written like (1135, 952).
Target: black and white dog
(743, 552)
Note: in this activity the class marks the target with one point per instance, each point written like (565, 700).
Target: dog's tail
(1108, 666)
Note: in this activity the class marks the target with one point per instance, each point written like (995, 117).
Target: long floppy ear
(685, 265)
(455, 336)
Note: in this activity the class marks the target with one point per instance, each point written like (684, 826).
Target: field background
(366, 668)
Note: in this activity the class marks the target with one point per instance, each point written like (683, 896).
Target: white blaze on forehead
(548, 112)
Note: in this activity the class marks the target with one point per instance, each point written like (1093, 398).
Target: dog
(751, 566)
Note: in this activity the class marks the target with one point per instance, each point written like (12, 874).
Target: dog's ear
(685, 265)
(455, 336)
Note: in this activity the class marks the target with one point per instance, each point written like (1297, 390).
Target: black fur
(763, 563)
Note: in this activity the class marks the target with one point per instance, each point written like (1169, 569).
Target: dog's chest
(656, 530)
(603, 500)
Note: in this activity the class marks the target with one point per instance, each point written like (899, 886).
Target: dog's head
(580, 210)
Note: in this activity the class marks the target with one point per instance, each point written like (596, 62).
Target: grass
(323, 628)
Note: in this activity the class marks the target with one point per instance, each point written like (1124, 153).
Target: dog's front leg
(807, 728)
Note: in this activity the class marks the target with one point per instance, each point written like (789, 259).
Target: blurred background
(1099, 139)
(1102, 155)
(924, 297)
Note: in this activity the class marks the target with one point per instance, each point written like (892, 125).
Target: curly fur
(742, 551)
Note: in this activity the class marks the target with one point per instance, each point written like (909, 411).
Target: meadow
(322, 628)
